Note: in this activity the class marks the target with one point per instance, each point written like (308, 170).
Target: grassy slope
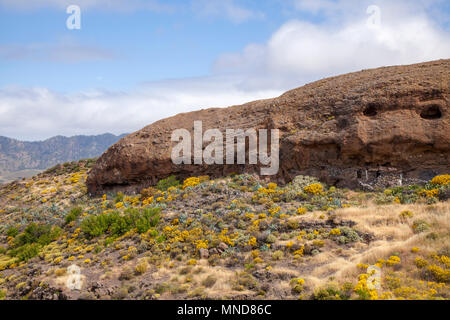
(260, 244)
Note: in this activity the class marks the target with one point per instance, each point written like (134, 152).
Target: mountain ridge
(17, 155)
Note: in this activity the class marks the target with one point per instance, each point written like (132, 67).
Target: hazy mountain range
(22, 159)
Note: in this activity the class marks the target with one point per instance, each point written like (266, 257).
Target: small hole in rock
(431, 112)
(370, 111)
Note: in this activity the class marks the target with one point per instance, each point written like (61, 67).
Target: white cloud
(301, 51)
(38, 113)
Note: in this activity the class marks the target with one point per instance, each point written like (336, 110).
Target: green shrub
(348, 235)
(329, 292)
(26, 252)
(116, 224)
(119, 197)
(95, 226)
(12, 232)
(73, 214)
(41, 234)
(420, 226)
(165, 184)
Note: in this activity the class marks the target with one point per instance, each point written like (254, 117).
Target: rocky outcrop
(379, 127)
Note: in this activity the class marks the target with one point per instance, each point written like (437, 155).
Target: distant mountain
(20, 156)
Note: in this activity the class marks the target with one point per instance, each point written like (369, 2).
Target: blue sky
(133, 47)
(137, 61)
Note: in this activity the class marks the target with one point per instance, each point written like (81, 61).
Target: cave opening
(371, 110)
(431, 112)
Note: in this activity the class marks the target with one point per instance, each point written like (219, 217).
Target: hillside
(234, 237)
(23, 159)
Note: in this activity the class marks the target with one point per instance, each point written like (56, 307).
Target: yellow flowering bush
(406, 214)
(274, 211)
(363, 290)
(299, 252)
(439, 274)
(252, 242)
(272, 186)
(192, 262)
(420, 263)
(442, 179)
(201, 244)
(315, 188)
(119, 205)
(429, 193)
(393, 260)
(335, 232)
(191, 182)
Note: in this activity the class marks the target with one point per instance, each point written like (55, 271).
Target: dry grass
(394, 236)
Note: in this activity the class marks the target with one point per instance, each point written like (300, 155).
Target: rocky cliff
(380, 127)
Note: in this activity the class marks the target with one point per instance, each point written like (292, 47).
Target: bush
(119, 197)
(315, 188)
(420, 226)
(141, 268)
(12, 232)
(348, 235)
(438, 274)
(73, 214)
(441, 180)
(406, 214)
(28, 244)
(329, 292)
(278, 255)
(26, 252)
(41, 234)
(2, 294)
(420, 263)
(116, 224)
(165, 184)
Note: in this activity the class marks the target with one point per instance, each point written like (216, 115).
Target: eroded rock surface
(379, 127)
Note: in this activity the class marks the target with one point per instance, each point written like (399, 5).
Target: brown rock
(379, 127)
(222, 246)
(213, 251)
(204, 253)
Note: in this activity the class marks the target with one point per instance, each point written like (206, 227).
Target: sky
(133, 62)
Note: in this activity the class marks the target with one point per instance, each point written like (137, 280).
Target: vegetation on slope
(237, 237)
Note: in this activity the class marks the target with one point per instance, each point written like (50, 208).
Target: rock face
(380, 127)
